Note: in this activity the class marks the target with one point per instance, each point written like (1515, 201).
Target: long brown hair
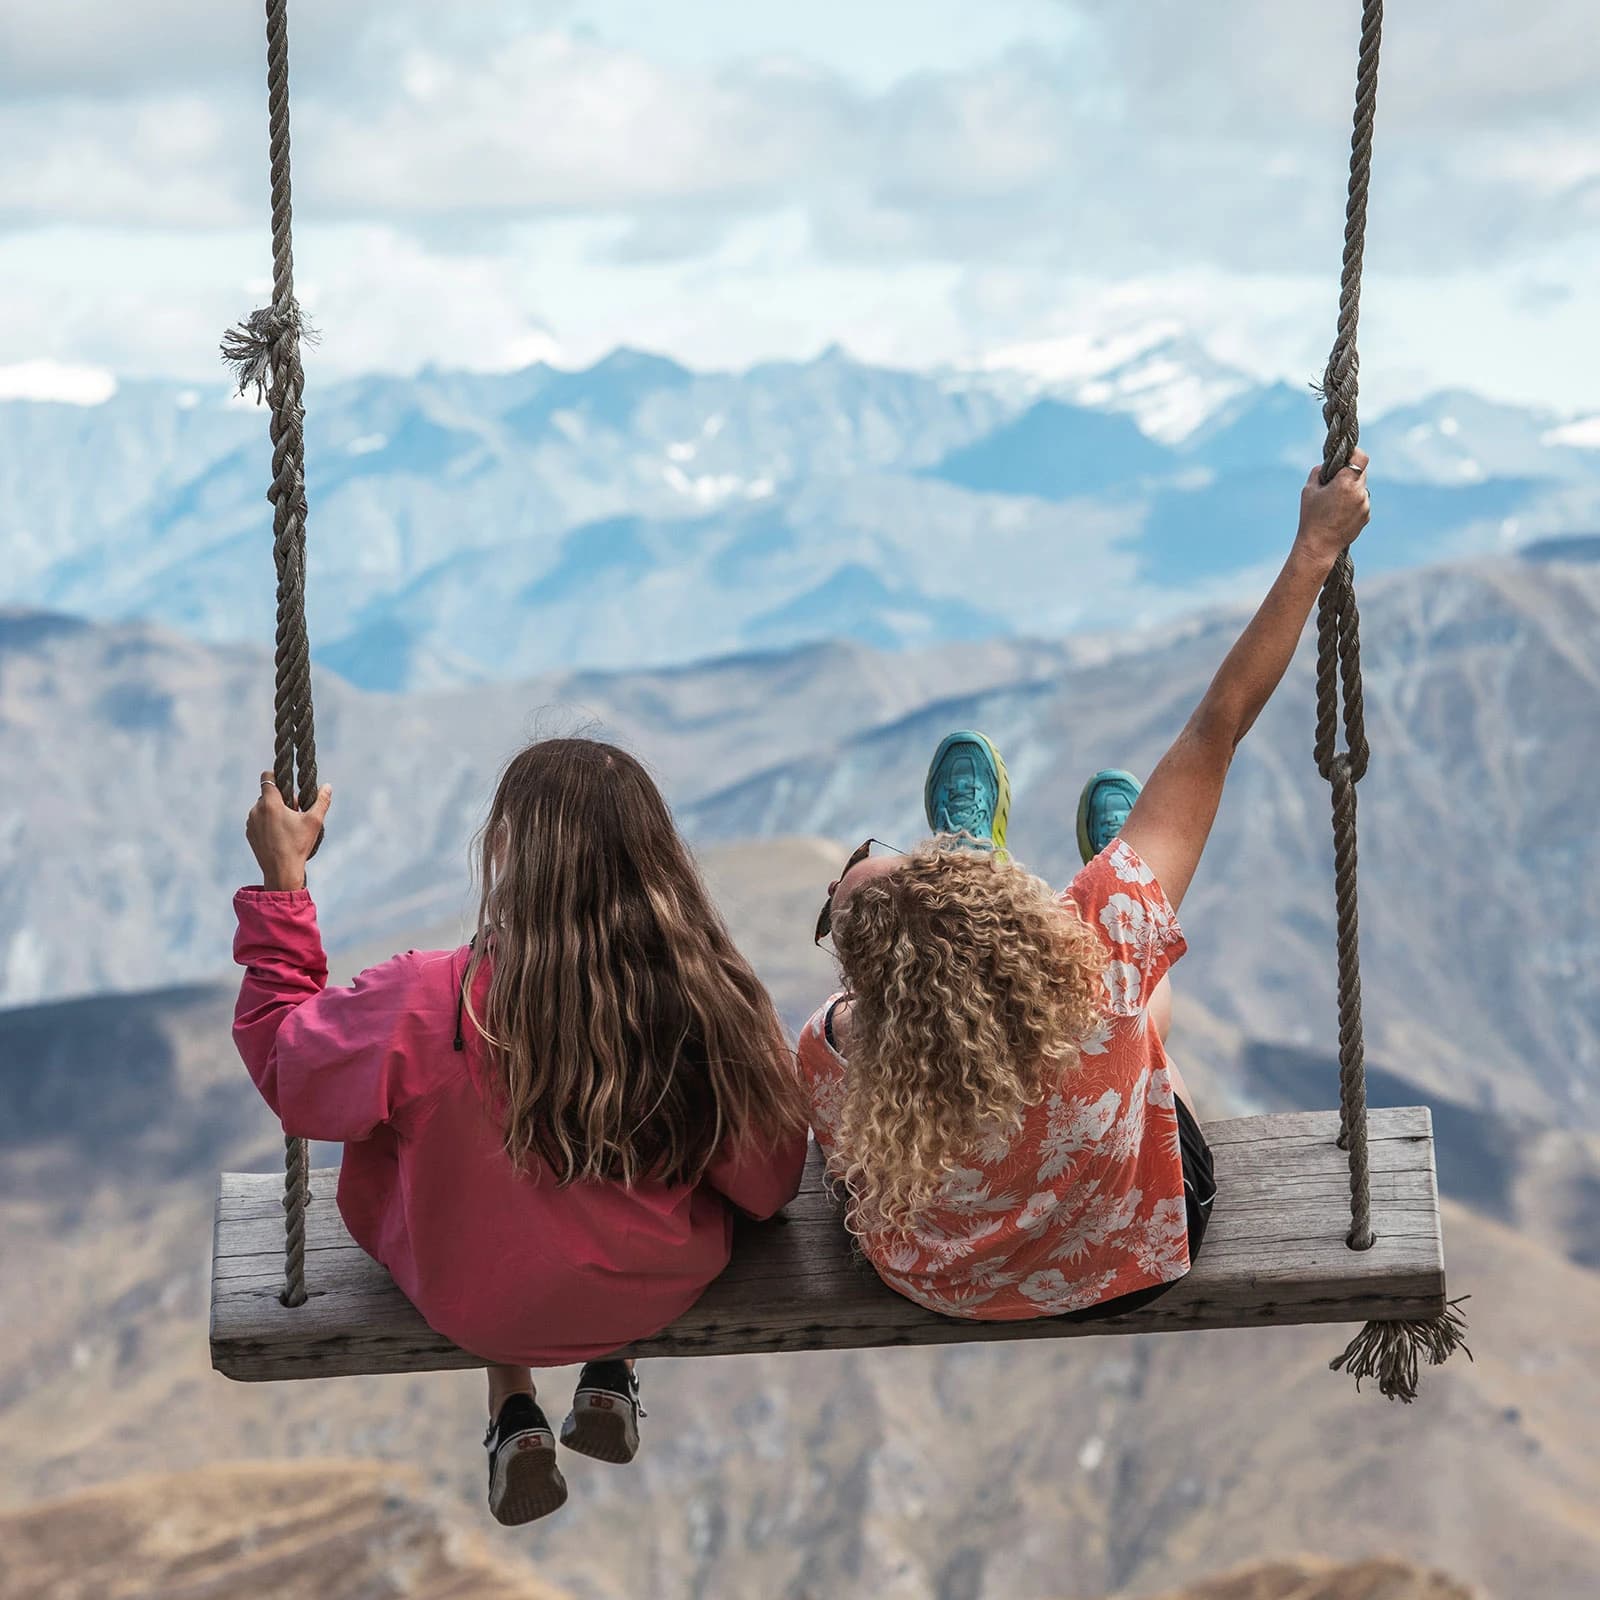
(631, 1041)
(971, 988)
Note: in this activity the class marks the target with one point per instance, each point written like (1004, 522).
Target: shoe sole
(1002, 805)
(527, 1482)
(602, 1426)
(1086, 847)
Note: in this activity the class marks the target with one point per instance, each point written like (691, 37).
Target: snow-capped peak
(1156, 372)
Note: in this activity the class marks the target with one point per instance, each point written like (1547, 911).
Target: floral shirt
(1083, 1202)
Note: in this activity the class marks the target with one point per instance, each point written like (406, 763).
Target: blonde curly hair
(971, 986)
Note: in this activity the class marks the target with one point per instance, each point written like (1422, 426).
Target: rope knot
(1343, 770)
(255, 348)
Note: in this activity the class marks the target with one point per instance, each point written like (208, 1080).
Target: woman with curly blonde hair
(991, 1087)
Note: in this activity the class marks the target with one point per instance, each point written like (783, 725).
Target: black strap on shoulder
(827, 1022)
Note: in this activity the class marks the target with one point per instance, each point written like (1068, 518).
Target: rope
(1385, 1350)
(264, 352)
(1339, 643)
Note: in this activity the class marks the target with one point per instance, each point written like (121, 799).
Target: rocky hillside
(1318, 1580)
(120, 853)
(300, 1531)
(346, 1530)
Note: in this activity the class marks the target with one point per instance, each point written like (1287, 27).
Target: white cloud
(1458, 64)
(1158, 135)
(59, 381)
(179, 160)
(1583, 434)
(534, 185)
(111, 49)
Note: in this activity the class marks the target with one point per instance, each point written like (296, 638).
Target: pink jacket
(508, 1265)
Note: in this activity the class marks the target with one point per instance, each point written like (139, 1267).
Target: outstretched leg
(1103, 808)
(967, 792)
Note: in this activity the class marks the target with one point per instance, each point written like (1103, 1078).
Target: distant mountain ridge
(489, 526)
(1481, 862)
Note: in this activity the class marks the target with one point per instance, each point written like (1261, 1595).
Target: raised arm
(1172, 820)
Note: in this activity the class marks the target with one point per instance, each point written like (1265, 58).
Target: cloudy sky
(921, 180)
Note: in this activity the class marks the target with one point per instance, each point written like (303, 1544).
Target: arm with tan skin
(1173, 817)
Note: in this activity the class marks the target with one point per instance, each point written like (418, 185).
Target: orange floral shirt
(1083, 1202)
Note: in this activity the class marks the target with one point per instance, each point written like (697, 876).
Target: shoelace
(966, 815)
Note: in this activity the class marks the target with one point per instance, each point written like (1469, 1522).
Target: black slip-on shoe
(604, 1420)
(524, 1481)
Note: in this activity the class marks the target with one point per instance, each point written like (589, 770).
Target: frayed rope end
(248, 347)
(1391, 1351)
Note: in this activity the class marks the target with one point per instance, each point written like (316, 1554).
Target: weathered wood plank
(1275, 1254)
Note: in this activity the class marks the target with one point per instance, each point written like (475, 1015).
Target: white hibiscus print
(1161, 1092)
(1072, 1126)
(1038, 1210)
(1125, 986)
(993, 1145)
(944, 1249)
(1051, 1290)
(1128, 867)
(1125, 1140)
(902, 1257)
(1100, 1218)
(953, 1301)
(985, 1274)
(1163, 922)
(1125, 921)
(965, 1194)
(827, 1105)
(1098, 1039)
(1161, 1244)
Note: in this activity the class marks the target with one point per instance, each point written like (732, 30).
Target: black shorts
(1199, 1190)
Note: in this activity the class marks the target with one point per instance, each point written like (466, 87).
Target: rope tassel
(1391, 1352)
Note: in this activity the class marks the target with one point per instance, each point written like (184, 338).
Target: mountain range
(469, 527)
(1481, 862)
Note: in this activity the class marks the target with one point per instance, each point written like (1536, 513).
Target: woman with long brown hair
(547, 1131)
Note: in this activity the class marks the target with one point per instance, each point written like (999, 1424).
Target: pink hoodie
(508, 1265)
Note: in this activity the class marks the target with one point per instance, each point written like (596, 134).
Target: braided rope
(1339, 644)
(265, 354)
(1386, 1350)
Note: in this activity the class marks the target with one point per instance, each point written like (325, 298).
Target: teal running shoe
(968, 789)
(1103, 809)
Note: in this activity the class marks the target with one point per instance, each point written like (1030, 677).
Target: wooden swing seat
(1275, 1254)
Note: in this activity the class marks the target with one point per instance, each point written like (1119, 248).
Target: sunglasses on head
(857, 856)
